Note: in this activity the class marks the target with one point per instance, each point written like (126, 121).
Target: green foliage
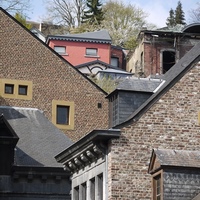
(94, 14)
(179, 14)
(171, 19)
(123, 22)
(106, 83)
(177, 17)
(20, 18)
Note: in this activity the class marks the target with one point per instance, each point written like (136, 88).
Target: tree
(106, 83)
(20, 18)
(171, 19)
(123, 22)
(179, 15)
(66, 12)
(194, 14)
(13, 6)
(94, 14)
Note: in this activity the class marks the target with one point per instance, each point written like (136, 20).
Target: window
(168, 60)
(91, 52)
(16, 89)
(115, 62)
(60, 50)
(84, 191)
(100, 186)
(76, 193)
(89, 190)
(157, 187)
(22, 89)
(92, 188)
(63, 114)
(9, 89)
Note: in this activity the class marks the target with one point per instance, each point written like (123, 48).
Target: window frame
(60, 52)
(12, 86)
(23, 86)
(70, 125)
(91, 54)
(115, 60)
(155, 195)
(16, 84)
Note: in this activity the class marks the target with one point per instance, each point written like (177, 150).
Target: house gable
(167, 120)
(24, 57)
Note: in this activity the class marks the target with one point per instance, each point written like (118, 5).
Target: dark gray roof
(188, 61)
(39, 140)
(99, 62)
(139, 84)
(96, 36)
(179, 158)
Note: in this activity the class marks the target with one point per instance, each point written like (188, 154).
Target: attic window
(60, 49)
(23, 89)
(63, 114)
(9, 89)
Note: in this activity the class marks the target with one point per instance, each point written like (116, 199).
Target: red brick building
(159, 50)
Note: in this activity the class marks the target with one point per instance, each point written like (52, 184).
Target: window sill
(91, 56)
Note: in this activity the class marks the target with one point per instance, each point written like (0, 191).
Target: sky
(157, 10)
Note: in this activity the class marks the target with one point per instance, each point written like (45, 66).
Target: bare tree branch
(14, 6)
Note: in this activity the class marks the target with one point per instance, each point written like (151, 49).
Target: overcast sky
(158, 10)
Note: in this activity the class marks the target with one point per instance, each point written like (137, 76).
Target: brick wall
(24, 57)
(118, 53)
(171, 123)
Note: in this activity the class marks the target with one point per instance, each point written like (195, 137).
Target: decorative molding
(89, 154)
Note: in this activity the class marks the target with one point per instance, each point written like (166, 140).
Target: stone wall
(171, 123)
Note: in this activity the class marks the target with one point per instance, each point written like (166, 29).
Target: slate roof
(183, 158)
(39, 140)
(97, 62)
(96, 36)
(171, 78)
(141, 85)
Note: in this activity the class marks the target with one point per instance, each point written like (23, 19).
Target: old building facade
(158, 50)
(33, 75)
(169, 119)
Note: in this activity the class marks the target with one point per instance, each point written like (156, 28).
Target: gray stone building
(28, 144)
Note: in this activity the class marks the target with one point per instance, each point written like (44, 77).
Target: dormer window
(60, 50)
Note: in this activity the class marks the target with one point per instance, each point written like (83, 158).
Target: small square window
(99, 105)
(91, 52)
(9, 89)
(60, 50)
(23, 90)
(62, 115)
